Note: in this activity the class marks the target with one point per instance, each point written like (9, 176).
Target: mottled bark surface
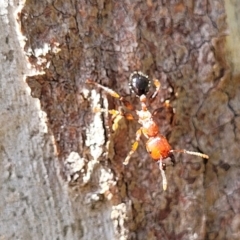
(190, 48)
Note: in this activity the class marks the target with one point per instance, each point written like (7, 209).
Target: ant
(157, 145)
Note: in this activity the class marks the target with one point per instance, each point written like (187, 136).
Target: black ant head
(139, 83)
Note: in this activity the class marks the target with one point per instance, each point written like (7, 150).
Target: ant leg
(157, 85)
(169, 161)
(173, 161)
(115, 116)
(191, 153)
(111, 92)
(134, 146)
(114, 113)
(162, 170)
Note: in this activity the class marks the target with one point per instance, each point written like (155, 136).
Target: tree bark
(62, 175)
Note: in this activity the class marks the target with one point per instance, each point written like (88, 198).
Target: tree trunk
(62, 175)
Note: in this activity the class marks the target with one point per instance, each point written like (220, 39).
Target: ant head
(139, 83)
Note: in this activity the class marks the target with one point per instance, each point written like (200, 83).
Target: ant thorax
(143, 115)
(149, 127)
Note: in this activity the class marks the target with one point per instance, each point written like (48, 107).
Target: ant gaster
(157, 145)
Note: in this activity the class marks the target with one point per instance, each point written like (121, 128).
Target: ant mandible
(157, 145)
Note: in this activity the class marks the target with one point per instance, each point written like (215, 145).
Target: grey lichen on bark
(34, 200)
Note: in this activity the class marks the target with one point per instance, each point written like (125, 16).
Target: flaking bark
(62, 174)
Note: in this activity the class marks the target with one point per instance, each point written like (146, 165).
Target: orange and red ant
(157, 145)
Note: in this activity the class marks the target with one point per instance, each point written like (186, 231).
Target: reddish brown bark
(182, 43)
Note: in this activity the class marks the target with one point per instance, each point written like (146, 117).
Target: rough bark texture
(34, 201)
(73, 185)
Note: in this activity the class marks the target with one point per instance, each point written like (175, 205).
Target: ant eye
(139, 83)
